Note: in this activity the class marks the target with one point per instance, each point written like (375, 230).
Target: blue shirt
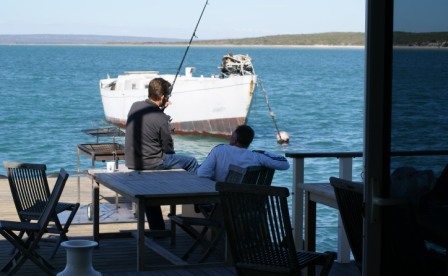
(216, 165)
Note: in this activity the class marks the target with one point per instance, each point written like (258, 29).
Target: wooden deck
(117, 256)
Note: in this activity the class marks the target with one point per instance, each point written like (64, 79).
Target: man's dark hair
(244, 135)
(157, 88)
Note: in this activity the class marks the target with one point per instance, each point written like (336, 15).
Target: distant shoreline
(185, 45)
(246, 45)
(341, 40)
(216, 46)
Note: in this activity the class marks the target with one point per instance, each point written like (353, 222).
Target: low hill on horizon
(343, 39)
(42, 39)
(330, 39)
(435, 39)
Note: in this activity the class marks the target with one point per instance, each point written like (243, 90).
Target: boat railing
(141, 72)
(345, 172)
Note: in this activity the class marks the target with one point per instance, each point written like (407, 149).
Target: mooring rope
(271, 113)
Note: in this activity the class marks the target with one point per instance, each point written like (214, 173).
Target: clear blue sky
(177, 18)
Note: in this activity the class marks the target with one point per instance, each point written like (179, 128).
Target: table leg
(173, 226)
(78, 164)
(140, 234)
(446, 259)
(310, 223)
(96, 210)
(310, 228)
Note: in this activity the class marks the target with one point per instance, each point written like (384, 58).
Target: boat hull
(211, 106)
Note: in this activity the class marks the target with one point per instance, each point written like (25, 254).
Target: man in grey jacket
(148, 141)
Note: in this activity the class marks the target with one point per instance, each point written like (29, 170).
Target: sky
(178, 18)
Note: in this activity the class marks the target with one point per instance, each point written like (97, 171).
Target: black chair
(258, 175)
(212, 223)
(30, 192)
(405, 245)
(26, 247)
(259, 231)
(349, 196)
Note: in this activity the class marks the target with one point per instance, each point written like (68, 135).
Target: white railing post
(297, 200)
(345, 172)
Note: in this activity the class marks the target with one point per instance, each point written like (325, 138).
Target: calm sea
(50, 93)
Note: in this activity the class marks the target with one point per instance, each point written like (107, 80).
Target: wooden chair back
(258, 175)
(29, 188)
(50, 208)
(258, 228)
(349, 196)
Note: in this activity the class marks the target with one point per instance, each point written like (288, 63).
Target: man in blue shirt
(216, 165)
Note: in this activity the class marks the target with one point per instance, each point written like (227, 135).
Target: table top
(323, 189)
(169, 187)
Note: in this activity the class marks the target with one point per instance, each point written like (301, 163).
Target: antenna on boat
(282, 136)
(188, 47)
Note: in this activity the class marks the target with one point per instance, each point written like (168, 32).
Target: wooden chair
(26, 247)
(405, 246)
(30, 192)
(259, 231)
(212, 220)
(258, 175)
(349, 196)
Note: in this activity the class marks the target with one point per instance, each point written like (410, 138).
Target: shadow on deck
(118, 257)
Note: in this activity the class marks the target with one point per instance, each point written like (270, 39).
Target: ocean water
(50, 93)
(420, 106)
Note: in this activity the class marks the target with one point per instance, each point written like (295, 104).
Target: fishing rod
(166, 99)
(188, 47)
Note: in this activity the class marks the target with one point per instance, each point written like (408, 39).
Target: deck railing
(345, 172)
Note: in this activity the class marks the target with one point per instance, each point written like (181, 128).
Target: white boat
(200, 105)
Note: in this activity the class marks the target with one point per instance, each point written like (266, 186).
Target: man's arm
(207, 168)
(166, 139)
(273, 161)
